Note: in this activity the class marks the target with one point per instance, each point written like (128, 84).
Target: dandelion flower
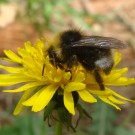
(41, 82)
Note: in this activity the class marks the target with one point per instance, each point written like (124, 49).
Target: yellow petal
(74, 86)
(11, 79)
(121, 97)
(12, 69)
(114, 100)
(28, 47)
(86, 96)
(57, 77)
(41, 46)
(49, 75)
(19, 106)
(115, 75)
(32, 99)
(44, 97)
(80, 77)
(23, 53)
(13, 56)
(26, 87)
(67, 75)
(123, 81)
(108, 102)
(69, 102)
(6, 59)
(120, 71)
(111, 79)
(90, 79)
(117, 58)
(101, 93)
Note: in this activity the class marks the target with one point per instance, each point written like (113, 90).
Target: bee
(92, 52)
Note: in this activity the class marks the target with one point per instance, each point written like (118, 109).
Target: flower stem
(102, 119)
(58, 130)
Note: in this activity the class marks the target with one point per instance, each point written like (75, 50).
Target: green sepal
(65, 117)
(49, 109)
(81, 111)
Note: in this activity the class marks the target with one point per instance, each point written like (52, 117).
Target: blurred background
(25, 20)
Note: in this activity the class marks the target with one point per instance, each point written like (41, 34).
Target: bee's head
(67, 38)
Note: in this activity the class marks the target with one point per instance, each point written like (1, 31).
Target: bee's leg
(54, 59)
(56, 62)
(71, 62)
(99, 79)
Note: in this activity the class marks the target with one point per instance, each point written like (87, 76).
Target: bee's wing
(100, 42)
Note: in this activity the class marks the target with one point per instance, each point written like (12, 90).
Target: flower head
(42, 82)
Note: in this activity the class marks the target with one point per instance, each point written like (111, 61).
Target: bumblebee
(92, 52)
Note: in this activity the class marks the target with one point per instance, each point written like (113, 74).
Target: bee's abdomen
(87, 57)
